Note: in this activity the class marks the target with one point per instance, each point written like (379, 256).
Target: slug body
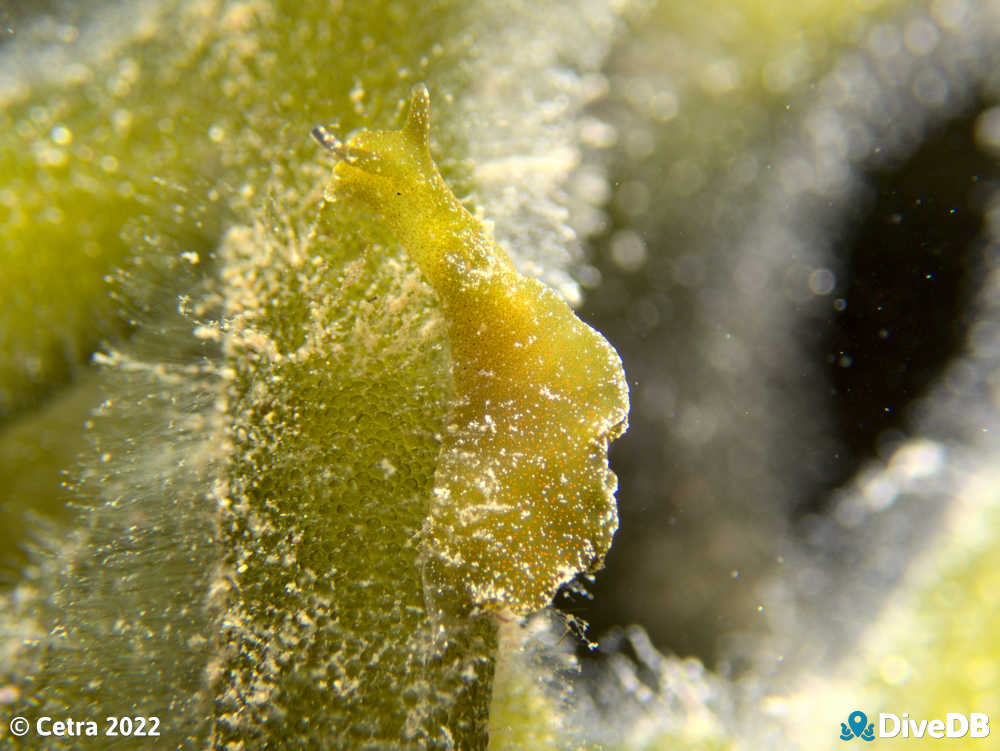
(523, 499)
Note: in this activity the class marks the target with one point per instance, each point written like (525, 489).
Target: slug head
(390, 170)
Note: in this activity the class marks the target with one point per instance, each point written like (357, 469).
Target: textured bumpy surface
(184, 149)
(344, 358)
(350, 659)
(462, 428)
(312, 330)
(523, 499)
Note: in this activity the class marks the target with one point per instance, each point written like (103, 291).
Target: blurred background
(802, 201)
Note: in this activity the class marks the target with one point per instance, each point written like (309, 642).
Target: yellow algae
(523, 499)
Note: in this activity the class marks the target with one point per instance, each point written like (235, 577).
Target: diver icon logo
(857, 726)
(954, 725)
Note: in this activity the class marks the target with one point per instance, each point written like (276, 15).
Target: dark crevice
(908, 270)
(907, 260)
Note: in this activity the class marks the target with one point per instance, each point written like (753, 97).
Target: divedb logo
(954, 725)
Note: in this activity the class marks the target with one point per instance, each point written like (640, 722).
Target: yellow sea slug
(523, 498)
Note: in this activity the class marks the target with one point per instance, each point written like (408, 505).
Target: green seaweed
(315, 431)
(193, 168)
(339, 363)
(337, 402)
(149, 148)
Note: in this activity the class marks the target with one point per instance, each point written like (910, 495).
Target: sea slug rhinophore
(523, 499)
